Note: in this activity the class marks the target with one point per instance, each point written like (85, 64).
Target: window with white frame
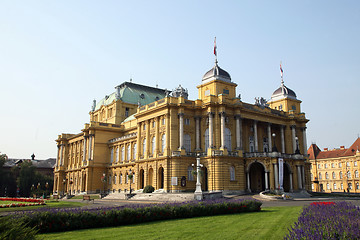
(319, 166)
(265, 145)
(228, 139)
(190, 173)
(187, 143)
(340, 164)
(335, 187)
(122, 153)
(115, 178)
(357, 186)
(187, 121)
(163, 121)
(328, 186)
(333, 175)
(153, 145)
(350, 185)
(355, 164)
(348, 174)
(144, 147)
(312, 186)
(356, 173)
(320, 176)
(134, 151)
(163, 143)
(126, 178)
(117, 154)
(340, 175)
(128, 152)
(348, 164)
(206, 139)
(251, 144)
(232, 173)
(326, 175)
(325, 165)
(121, 178)
(333, 165)
(341, 186)
(112, 155)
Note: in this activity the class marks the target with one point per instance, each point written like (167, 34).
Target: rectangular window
(340, 164)
(225, 91)
(126, 112)
(187, 121)
(207, 92)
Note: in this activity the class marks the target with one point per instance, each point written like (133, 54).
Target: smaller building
(335, 170)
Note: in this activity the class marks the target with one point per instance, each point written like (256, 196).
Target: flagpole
(215, 51)
(282, 74)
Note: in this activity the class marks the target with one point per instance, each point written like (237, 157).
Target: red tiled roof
(315, 152)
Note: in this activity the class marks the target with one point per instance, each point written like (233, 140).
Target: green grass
(49, 204)
(270, 223)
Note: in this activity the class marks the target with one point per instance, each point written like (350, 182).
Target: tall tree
(27, 178)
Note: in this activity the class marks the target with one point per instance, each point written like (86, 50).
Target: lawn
(270, 223)
(49, 204)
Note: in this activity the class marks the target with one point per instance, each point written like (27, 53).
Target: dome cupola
(283, 92)
(216, 73)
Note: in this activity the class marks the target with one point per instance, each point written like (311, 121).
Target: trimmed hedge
(148, 189)
(57, 220)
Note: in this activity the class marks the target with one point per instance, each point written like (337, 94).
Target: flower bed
(327, 220)
(21, 202)
(56, 220)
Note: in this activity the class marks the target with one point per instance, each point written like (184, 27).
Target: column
(282, 138)
(61, 154)
(256, 137)
(266, 181)
(291, 183)
(181, 130)
(197, 132)
(211, 125)
(304, 140)
(157, 136)
(147, 143)
(238, 132)
(84, 148)
(276, 176)
(293, 137)
(222, 126)
(58, 156)
(303, 177)
(90, 146)
(299, 177)
(269, 137)
(138, 142)
(248, 181)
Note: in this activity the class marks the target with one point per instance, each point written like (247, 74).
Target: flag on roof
(215, 53)
(281, 71)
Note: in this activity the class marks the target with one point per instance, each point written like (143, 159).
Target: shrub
(56, 220)
(327, 220)
(10, 229)
(148, 189)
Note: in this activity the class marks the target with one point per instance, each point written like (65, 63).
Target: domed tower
(284, 99)
(217, 82)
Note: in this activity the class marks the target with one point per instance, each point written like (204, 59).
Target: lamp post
(198, 192)
(274, 149)
(103, 179)
(297, 151)
(64, 182)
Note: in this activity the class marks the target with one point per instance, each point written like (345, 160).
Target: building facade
(335, 170)
(156, 135)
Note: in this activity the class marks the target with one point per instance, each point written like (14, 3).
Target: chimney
(326, 149)
(342, 147)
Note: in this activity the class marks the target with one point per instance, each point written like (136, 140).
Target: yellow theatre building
(156, 135)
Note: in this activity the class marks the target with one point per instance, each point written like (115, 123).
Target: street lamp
(274, 149)
(198, 192)
(297, 151)
(103, 179)
(64, 182)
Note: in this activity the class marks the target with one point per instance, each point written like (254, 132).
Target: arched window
(335, 187)
(206, 139)
(144, 147)
(121, 178)
(163, 143)
(320, 176)
(115, 178)
(112, 155)
(128, 152)
(342, 186)
(187, 143)
(122, 153)
(328, 186)
(356, 173)
(350, 185)
(357, 186)
(333, 175)
(117, 154)
(326, 175)
(153, 145)
(232, 173)
(134, 151)
(340, 175)
(348, 174)
(190, 173)
(126, 178)
(228, 139)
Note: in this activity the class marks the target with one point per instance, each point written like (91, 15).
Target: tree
(7, 179)
(27, 178)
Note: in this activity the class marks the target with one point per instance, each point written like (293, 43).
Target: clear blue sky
(57, 56)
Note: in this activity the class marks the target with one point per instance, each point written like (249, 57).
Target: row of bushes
(56, 220)
(34, 200)
(327, 220)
